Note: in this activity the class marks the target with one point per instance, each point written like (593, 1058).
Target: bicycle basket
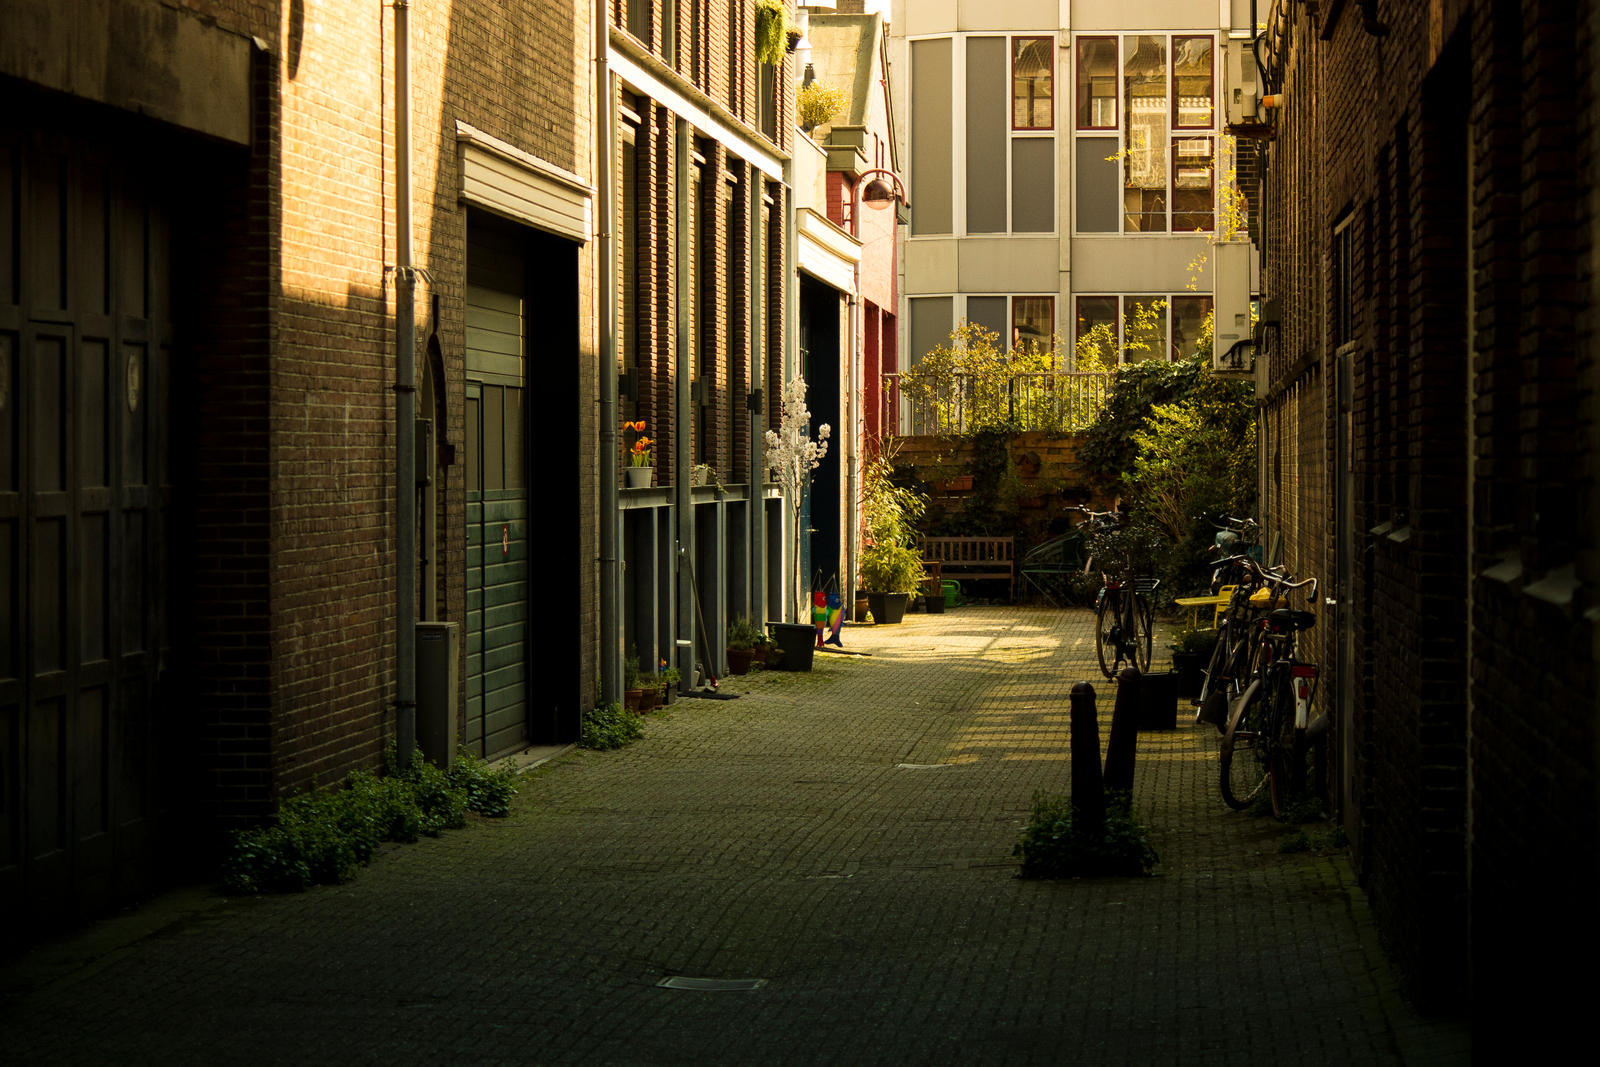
(1145, 585)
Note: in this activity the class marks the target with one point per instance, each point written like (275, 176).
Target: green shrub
(443, 805)
(488, 791)
(325, 836)
(1052, 846)
(609, 726)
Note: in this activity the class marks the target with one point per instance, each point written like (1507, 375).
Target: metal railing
(1052, 401)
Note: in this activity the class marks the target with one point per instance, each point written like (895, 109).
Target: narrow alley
(842, 838)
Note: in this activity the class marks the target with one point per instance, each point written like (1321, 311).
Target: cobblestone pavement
(843, 835)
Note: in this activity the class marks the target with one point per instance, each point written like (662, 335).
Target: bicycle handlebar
(1275, 575)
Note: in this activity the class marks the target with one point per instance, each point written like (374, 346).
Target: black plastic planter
(887, 608)
(798, 641)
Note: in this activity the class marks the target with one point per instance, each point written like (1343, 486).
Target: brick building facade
(704, 221)
(1429, 428)
(197, 510)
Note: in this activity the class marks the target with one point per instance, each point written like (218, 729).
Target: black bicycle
(1271, 723)
(1124, 629)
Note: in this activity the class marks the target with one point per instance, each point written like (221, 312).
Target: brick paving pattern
(844, 835)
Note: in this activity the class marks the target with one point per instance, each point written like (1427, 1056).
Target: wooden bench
(970, 557)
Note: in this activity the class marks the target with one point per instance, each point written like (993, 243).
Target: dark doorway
(819, 366)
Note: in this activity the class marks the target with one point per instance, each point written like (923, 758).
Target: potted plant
(1191, 651)
(890, 573)
(742, 640)
(670, 677)
(890, 569)
(639, 472)
(632, 685)
(818, 104)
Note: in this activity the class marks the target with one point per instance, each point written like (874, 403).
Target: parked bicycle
(1271, 723)
(1254, 590)
(1124, 613)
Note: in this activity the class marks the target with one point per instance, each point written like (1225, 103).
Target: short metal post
(1124, 736)
(1088, 791)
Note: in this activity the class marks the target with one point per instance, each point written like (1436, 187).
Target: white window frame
(958, 136)
(1119, 132)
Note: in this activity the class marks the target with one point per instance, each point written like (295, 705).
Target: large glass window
(1193, 179)
(1032, 83)
(1033, 321)
(1097, 83)
(932, 190)
(1134, 327)
(1189, 315)
(1009, 117)
(1192, 79)
(1144, 329)
(1144, 161)
(1152, 90)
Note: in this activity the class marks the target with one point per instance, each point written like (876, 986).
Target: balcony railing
(1051, 401)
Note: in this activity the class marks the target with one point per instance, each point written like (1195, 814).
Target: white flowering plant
(792, 454)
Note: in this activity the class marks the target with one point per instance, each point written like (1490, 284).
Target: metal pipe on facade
(605, 273)
(791, 369)
(853, 459)
(405, 404)
(683, 426)
(757, 510)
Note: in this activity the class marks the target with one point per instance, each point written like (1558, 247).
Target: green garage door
(497, 495)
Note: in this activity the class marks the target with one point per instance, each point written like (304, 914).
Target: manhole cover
(712, 985)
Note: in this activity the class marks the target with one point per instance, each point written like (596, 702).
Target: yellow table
(1195, 603)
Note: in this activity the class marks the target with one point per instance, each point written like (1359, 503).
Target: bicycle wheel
(1286, 761)
(1105, 632)
(1246, 750)
(1143, 636)
(1208, 708)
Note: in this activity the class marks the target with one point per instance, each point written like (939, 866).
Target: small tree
(792, 455)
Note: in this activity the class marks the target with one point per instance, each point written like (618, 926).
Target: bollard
(1088, 792)
(1124, 735)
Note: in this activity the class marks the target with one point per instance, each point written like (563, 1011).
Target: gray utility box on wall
(438, 678)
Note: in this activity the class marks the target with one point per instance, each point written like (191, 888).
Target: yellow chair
(1222, 608)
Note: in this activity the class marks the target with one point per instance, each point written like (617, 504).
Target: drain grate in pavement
(712, 985)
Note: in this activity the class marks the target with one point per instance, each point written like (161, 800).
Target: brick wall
(1459, 147)
(294, 519)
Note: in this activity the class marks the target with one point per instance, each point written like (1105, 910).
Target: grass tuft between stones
(1054, 844)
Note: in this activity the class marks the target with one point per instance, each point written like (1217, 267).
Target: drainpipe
(757, 511)
(683, 429)
(791, 368)
(853, 457)
(405, 405)
(606, 319)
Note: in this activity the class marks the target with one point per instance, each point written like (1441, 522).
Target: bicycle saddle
(1289, 619)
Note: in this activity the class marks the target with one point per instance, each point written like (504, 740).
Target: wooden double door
(85, 341)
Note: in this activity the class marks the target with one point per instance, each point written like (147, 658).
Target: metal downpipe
(405, 405)
(605, 275)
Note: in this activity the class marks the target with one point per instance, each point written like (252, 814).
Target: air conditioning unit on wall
(1232, 355)
(1241, 93)
(1239, 86)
